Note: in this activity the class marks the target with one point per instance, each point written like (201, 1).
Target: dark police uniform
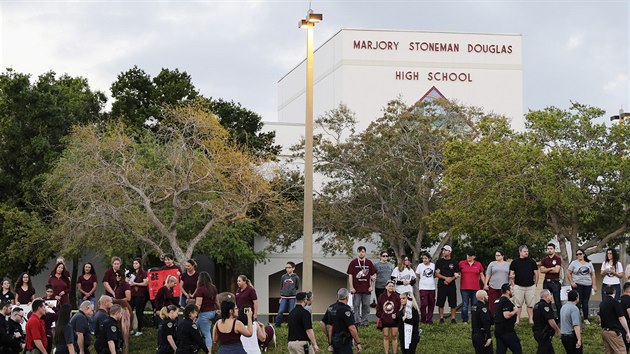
(109, 331)
(481, 323)
(543, 332)
(329, 318)
(504, 327)
(167, 328)
(7, 343)
(189, 339)
(341, 337)
(17, 333)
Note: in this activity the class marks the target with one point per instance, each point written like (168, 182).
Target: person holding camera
(301, 336)
(544, 322)
(228, 330)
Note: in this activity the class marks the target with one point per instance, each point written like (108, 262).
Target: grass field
(435, 339)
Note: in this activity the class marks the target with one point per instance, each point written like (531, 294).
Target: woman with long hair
(24, 290)
(408, 319)
(612, 272)
(188, 282)
(139, 292)
(60, 284)
(206, 301)
(7, 295)
(581, 276)
(167, 331)
(64, 333)
(122, 289)
(227, 332)
(404, 276)
(246, 295)
(497, 274)
(251, 344)
(86, 284)
(387, 308)
(426, 288)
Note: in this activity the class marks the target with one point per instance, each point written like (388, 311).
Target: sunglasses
(385, 255)
(579, 254)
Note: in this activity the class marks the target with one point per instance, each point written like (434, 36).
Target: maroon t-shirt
(174, 266)
(140, 291)
(24, 296)
(361, 272)
(550, 263)
(190, 281)
(208, 298)
(119, 292)
(245, 297)
(164, 297)
(110, 278)
(86, 284)
(59, 285)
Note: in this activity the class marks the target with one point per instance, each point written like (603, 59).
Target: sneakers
(453, 321)
(137, 334)
(587, 322)
(441, 321)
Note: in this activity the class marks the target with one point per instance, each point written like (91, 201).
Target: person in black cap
(301, 336)
(504, 319)
(446, 270)
(545, 325)
(481, 323)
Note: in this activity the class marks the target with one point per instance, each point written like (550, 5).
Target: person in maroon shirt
(550, 267)
(36, 329)
(139, 292)
(24, 290)
(361, 278)
(60, 284)
(86, 284)
(188, 282)
(122, 289)
(206, 301)
(164, 296)
(246, 295)
(387, 307)
(66, 273)
(109, 278)
(169, 263)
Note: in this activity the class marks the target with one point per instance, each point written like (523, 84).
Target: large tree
(166, 190)
(386, 180)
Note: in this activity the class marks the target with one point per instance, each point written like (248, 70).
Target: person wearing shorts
(447, 270)
(524, 278)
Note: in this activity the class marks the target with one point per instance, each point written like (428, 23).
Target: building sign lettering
(480, 48)
(434, 76)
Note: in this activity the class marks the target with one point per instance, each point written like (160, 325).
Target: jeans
(617, 290)
(584, 296)
(204, 321)
(361, 307)
(468, 296)
(286, 305)
(554, 286)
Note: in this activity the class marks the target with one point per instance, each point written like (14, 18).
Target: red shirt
(110, 278)
(550, 263)
(361, 283)
(208, 298)
(470, 275)
(35, 329)
(190, 281)
(59, 285)
(86, 284)
(245, 297)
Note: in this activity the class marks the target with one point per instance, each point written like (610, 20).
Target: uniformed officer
(344, 329)
(189, 339)
(327, 322)
(544, 323)
(15, 330)
(167, 331)
(7, 344)
(504, 320)
(481, 323)
(110, 340)
(301, 337)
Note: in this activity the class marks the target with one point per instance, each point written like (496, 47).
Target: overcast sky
(573, 50)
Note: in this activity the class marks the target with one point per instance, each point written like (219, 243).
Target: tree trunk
(73, 280)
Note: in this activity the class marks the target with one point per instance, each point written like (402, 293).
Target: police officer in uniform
(168, 327)
(481, 323)
(344, 329)
(504, 320)
(545, 325)
(7, 344)
(15, 330)
(189, 339)
(110, 339)
(327, 322)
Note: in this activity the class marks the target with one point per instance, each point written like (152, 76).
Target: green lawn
(446, 338)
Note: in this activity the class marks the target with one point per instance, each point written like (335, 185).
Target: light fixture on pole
(621, 117)
(307, 263)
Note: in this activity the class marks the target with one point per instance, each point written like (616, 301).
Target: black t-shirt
(79, 323)
(299, 321)
(61, 346)
(503, 325)
(167, 328)
(481, 320)
(343, 318)
(524, 271)
(542, 314)
(331, 312)
(609, 312)
(448, 268)
(109, 332)
(625, 305)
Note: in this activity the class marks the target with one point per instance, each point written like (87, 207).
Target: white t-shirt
(406, 274)
(250, 344)
(612, 279)
(426, 274)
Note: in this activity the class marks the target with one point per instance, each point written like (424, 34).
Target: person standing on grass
(581, 276)
(109, 277)
(384, 269)
(139, 282)
(570, 330)
(625, 305)
(167, 331)
(188, 282)
(289, 285)
(497, 274)
(612, 272)
(36, 329)
(361, 279)
(550, 267)
(447, 270)
(472, 273)
(344, 330)
(206, 301)
(408, 320)
(505, 314)
(301, 335)
(544, 323)
(481, 323)
(387, 307)
(426, 288)
(613, 323)
(80, 325)
(524, 277)
(404, 276)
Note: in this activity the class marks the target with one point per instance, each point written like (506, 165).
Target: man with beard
(361, 278)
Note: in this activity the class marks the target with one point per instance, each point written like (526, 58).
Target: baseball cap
(448, 248)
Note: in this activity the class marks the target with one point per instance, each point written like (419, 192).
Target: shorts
(524, 295)
(444, 292)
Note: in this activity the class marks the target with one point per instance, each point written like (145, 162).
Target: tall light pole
(307, 263)
(621, 118)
